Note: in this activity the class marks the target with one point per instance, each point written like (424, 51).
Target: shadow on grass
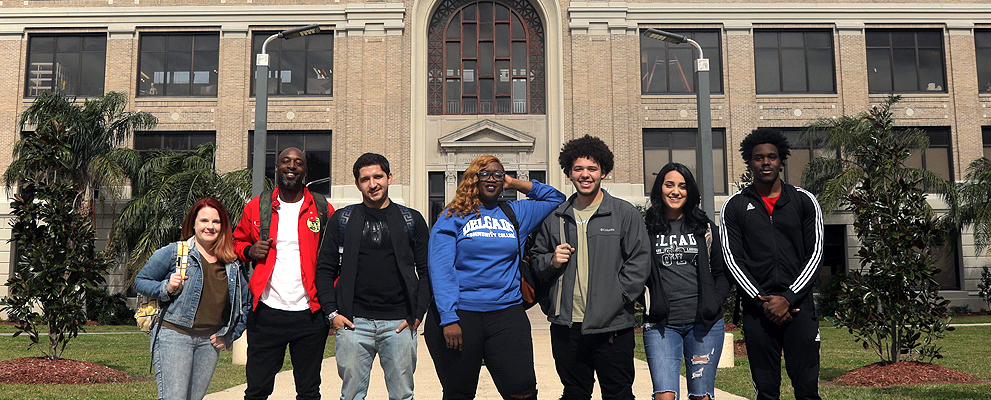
(830, 374)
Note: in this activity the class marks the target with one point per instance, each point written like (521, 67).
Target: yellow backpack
(149, 308)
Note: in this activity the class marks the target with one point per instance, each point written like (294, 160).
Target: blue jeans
(183, 364)
(666, 346)
(355, 350)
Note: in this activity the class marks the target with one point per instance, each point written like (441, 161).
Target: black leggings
(501, 338)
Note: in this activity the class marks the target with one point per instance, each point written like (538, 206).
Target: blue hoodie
(474, 261)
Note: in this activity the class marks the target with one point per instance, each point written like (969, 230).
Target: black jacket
(412, 260)
(713, 284)
(777, 254)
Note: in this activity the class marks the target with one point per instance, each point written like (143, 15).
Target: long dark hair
(695, 220)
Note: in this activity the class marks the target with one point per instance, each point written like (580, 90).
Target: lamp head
(665, 36)
(301, 31)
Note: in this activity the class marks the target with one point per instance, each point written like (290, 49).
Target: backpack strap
(345, 214)
(264, 214)
(506, 209)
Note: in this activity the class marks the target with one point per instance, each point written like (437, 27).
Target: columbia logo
(750, 206)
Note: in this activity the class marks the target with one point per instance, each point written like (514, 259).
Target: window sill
(798, 95)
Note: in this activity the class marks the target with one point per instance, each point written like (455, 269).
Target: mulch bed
(39, 370)
(903, 373)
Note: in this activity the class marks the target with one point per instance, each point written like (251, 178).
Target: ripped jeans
(666, 346)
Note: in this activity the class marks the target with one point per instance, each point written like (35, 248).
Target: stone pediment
(487, 135)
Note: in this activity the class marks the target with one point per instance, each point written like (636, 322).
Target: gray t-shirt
(677, 254)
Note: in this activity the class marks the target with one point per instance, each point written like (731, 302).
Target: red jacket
(246, 234)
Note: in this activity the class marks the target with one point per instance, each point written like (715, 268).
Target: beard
(290, 184)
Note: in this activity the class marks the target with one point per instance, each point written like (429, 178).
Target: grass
(840, 354)
(127, 352)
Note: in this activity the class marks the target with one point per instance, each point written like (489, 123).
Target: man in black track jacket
(772, 237)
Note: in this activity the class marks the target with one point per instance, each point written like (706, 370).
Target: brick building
(432, 84)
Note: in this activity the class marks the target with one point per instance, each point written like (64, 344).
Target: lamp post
(703, 158)
(261, 105)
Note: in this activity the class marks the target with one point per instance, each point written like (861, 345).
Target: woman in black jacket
(685, 290)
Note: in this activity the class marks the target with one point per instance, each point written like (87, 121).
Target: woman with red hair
(204, 309)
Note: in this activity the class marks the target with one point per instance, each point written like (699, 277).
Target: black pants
(579, 358)
(501, 338)
(800, 341)
(269, 332)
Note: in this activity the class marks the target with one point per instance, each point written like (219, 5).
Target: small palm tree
(166, 185)
(975, 207)
(94, 130)
(833, 178)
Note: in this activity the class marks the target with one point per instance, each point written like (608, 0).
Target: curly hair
(466, 198)
(761, 136)
(589, 147)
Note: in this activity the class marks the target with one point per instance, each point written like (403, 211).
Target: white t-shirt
(285, 289)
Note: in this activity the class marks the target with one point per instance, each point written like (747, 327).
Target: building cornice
(622, 17)
(350, 19)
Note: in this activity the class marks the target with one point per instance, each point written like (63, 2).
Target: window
(486, 57)
(986, 136)
(300, 66)
(946, 259)
(937, 157)
(905, 61)
(833, 252)
(794, 62)
(437, 190)
(146, 142)
(178, 64)
(667, 68)
(316, 146)
(661, 146)
(74, 65)
(801, 154)
(983, 40)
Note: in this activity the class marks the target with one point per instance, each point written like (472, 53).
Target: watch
(330, 317)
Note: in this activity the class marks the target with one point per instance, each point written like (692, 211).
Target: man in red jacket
(285, 306)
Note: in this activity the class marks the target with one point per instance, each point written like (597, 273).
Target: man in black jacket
(772, 235)
(377, 253)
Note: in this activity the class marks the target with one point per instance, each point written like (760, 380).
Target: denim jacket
(180, 309)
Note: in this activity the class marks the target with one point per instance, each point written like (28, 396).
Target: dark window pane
(668, 68)
(821, 76)
(768, 67)
(794, 79)
(68, 44)
(879, 71)
(931, 70)
(42, 44)
(983, 41)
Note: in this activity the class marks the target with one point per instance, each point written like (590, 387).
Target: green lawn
(840, 354)
(127, 352)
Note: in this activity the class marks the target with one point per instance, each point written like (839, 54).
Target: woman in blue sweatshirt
(474, 270)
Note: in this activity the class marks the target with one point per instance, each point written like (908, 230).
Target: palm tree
(95, 130)
(833, 178)
(166, 185)
(975, 209)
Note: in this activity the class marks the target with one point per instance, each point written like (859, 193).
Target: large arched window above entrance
(486, 57)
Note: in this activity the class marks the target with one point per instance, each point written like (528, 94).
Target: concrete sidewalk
(428, 386)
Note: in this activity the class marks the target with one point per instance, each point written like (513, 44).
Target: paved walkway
(428, 386)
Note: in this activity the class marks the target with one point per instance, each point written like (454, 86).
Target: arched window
(486, 57)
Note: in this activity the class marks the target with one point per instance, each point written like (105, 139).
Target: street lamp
(261, 105)
(703, 159)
